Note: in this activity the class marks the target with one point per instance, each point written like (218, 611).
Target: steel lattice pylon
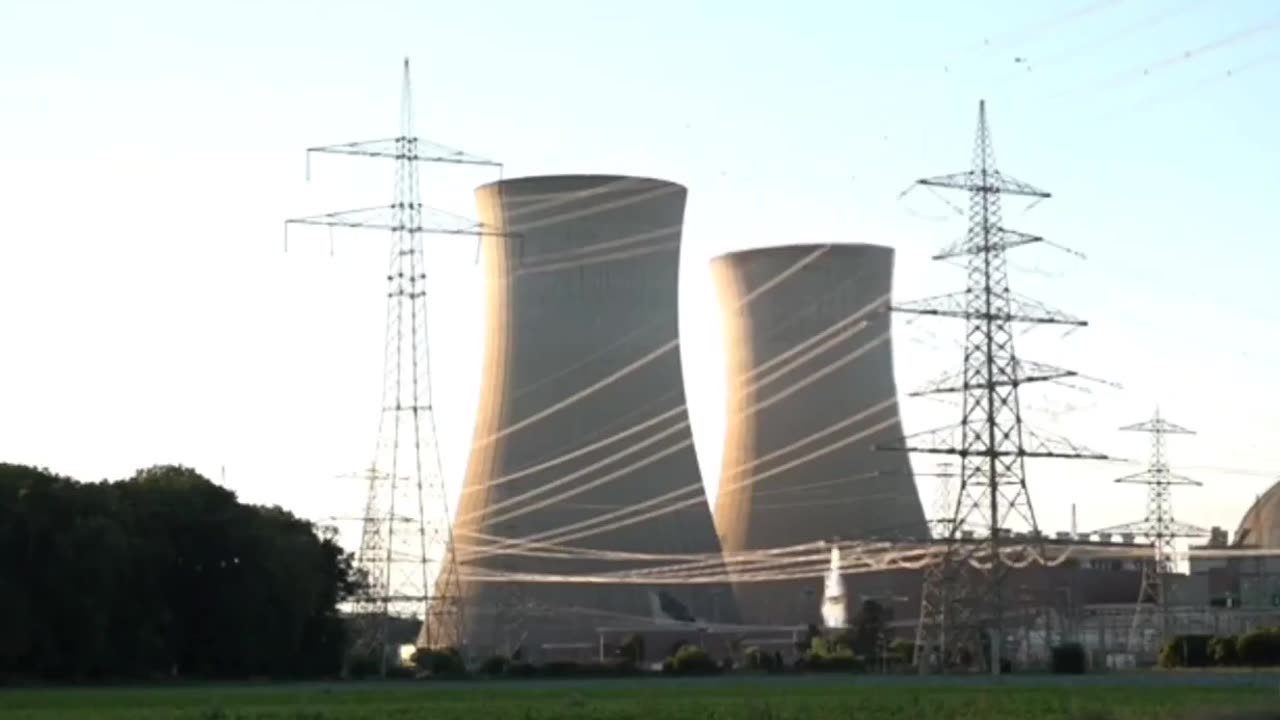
(932, 604)
(405, 537)
(991, 439)
(1160, 529)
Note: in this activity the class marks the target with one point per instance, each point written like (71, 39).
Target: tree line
(163, 574)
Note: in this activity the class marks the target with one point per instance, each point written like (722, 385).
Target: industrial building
(810, 393)
(1088, 596)
(1239, 577)
(582, 450)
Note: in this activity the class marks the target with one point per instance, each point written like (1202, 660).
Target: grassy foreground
(764, 700)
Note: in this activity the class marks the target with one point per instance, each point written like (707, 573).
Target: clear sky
(151, 150)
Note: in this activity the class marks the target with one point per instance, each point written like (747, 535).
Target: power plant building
(582, 464)
(810, 392)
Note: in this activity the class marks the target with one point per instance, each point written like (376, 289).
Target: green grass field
(766, 699)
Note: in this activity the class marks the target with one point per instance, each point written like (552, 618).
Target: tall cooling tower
(810, 393)
(583, 461)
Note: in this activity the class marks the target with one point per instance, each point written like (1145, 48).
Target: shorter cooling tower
(582, 466)
(810, 392)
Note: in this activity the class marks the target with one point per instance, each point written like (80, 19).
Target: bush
(824, 647)
(496, 665)
(1260, 648)
(400, 672)
(568, 668)
(619, 668)
(563, 668)
(834, 662)
(826, 657)
(521, 669)
(1068, 658)
(1190, 651)
(1223, 650)
(902, 652)
(632, 649)
(805, 643)
(692, 660)
(756, 659)
(363, 664)
(444, 662)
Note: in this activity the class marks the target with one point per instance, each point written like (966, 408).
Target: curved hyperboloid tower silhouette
(1260, 525)
(582, 469)
(810, 392)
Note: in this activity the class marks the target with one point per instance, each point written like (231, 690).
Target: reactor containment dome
(1260, 526)
(582, 466)
(810, 393)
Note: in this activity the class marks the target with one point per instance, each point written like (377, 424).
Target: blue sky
(152, 149)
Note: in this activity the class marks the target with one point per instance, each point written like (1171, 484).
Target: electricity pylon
(406, 521)
(932, 603)
(1159, 528)
(991, 439)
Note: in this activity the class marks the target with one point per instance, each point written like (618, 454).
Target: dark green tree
(160, 574)
(1223, 650)
(632, 649)
(867, 631)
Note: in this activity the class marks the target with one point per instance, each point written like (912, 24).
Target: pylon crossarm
(1147, 477)
(1177, 528)
(1002, 239)
(1028, 373)
(409, 149)
(991, 181)
(947, 440)
(1025, 309)
(1041, 445)
(429, 221)
(1020, 310)
(1158, 426)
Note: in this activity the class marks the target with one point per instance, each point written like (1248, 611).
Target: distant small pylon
(1160, 529)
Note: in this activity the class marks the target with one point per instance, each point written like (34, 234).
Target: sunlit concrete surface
(1260, 526)
(582, 430)
(810, 392)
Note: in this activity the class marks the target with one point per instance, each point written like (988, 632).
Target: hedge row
(1260, 648)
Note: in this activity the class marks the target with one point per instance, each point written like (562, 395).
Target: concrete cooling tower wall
(810, 392)
(583, 461)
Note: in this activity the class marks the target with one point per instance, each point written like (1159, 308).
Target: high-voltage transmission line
(964, 613)
(406, 521)
(1151, 614)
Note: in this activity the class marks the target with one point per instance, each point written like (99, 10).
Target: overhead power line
(1160, 529)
